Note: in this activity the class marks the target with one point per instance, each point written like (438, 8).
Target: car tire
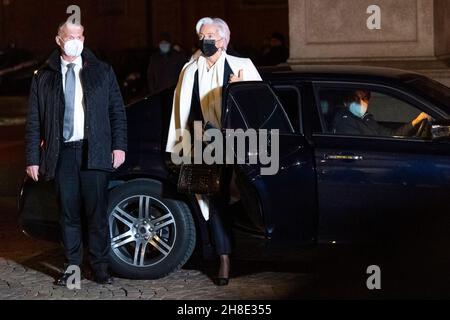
(167, 248)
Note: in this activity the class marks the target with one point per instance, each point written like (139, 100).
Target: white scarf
(210, 88)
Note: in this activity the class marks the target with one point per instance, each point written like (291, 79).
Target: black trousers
(219, 220)
(80, 190)
(219, 226)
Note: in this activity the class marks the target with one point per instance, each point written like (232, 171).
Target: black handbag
(200, 179)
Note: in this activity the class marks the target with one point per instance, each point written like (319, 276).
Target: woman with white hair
(198, 97)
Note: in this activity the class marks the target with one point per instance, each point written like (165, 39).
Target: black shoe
(224, 270)
(103, 278)
(62, 281)
(222, 281)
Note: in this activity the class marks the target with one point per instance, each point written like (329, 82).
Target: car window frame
(418, 102)
(244, 118)
(299, 104)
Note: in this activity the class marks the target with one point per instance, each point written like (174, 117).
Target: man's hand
(118, 158)
(239, 78)
(420, 118)
(33, 172)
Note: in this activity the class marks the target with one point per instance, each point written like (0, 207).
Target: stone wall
(414, 34)
(114, 25)
(33, 24)
(442, 28)
(250, 21)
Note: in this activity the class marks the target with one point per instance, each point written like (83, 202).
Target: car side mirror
(440, 130)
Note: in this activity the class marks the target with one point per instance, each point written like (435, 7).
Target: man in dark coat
(76, 133)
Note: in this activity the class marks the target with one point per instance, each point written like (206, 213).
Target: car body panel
(387, 186)
(313, 198)
(295, 159)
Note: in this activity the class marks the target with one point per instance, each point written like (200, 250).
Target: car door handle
(351, 157)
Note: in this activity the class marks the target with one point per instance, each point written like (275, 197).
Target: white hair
(222, 28)
(68, 24)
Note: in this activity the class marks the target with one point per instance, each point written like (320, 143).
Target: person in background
(164, 66)
(277, 52)
(178, 48)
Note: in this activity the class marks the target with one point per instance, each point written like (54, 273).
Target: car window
(431, 88)
(366, 112)
(257, 106)
(290, 99)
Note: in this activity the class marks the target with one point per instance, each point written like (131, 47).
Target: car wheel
(151, 236)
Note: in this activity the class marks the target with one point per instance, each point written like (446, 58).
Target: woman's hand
(238, 78)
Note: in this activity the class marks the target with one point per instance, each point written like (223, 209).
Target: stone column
(413, 34)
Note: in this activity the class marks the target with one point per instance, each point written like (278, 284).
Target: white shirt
(78, 129)
(210, 87)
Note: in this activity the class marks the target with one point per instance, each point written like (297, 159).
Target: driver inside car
(356, 120)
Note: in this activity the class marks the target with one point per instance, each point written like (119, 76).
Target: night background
(280, 34)
(125, 33)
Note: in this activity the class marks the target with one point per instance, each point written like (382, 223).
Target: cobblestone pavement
(18, 281)
(28, 268)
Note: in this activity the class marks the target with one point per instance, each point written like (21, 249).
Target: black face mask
(208, 47)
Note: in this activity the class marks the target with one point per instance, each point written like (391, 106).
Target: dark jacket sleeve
(347, 125)
(404, 131)
(117, 114)
(33, 127)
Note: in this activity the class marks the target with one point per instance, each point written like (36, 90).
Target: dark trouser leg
(220, 228)
(67, 182)
(94, 186)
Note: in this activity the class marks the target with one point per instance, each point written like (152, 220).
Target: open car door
(282, 202)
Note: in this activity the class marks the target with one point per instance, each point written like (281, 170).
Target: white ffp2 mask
(73, 48)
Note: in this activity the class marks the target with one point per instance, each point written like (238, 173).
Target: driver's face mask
(358, 109)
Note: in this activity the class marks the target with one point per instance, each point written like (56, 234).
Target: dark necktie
(69, 96)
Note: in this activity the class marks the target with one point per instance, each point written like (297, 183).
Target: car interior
(388, 111)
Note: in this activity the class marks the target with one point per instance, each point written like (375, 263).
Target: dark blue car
(331, 188)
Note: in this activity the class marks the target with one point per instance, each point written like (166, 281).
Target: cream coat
(182, 103)
(183, 93)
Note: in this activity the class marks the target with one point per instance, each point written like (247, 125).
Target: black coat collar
(54, 61)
